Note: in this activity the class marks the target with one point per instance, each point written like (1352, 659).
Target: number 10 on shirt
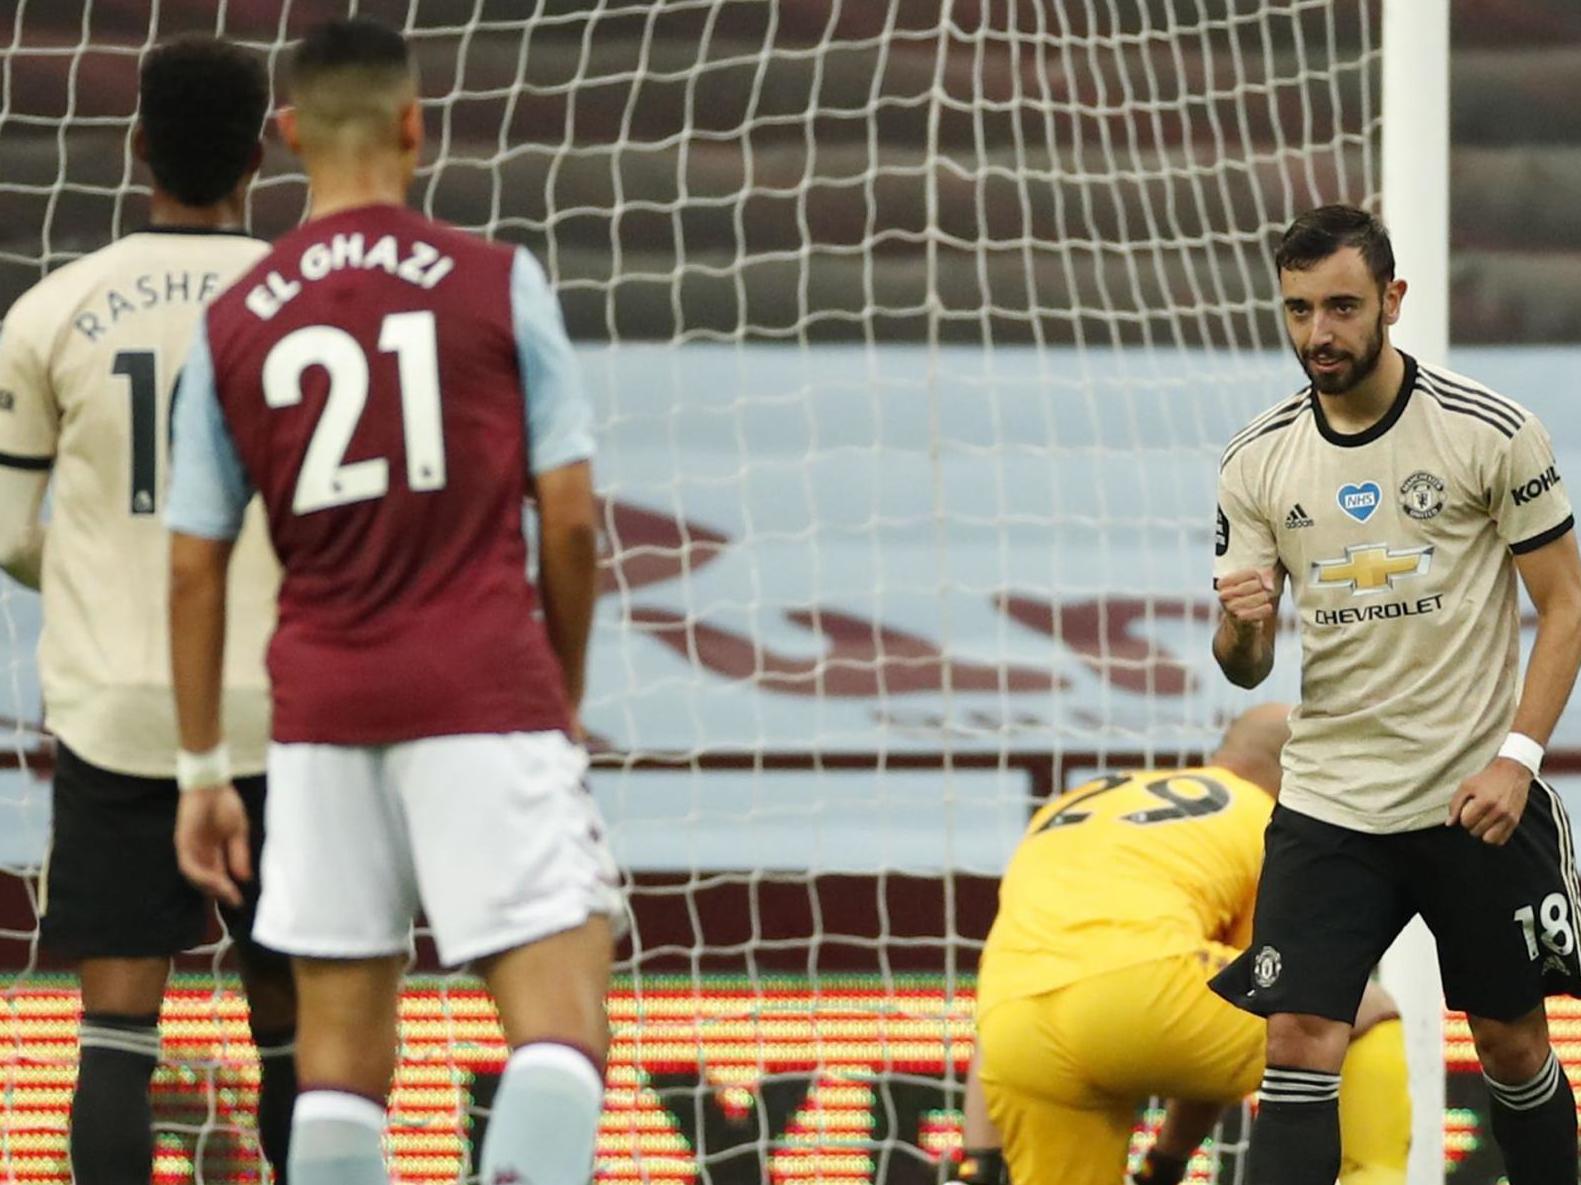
(326, 480)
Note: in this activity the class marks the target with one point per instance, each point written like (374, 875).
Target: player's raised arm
(560, 440)
(1248, 579)
(208, 493)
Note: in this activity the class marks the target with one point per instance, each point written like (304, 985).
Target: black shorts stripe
(1482, 394)
(1280, 408)
(1544, 539)
(1503, 429)
(13, 461)
(1567, 849)
(1273, 426)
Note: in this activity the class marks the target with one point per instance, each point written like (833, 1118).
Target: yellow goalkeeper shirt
(1128, 868)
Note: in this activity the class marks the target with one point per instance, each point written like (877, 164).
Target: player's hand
(211, 841)
(1249, 597)
(1489, 804)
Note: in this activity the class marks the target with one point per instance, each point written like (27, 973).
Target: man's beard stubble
(1346, 379)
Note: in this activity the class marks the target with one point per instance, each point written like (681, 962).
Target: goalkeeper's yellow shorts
(1065, 1072)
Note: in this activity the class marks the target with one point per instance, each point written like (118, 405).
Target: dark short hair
(1317, 234)
(355, 43)
(202, 104)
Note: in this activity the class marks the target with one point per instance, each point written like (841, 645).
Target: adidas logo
(1297, 518)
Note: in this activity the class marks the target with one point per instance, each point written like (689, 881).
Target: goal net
(914, 330)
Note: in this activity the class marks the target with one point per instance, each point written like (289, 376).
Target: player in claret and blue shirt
(394, 389)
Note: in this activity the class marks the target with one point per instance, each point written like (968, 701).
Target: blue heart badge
(1359, 501)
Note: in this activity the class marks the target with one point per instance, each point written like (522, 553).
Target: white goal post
(1415, 170)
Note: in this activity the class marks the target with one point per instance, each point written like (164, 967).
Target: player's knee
(271, 992)
(1309, 1042)
(123, 987)
(1511, 1051)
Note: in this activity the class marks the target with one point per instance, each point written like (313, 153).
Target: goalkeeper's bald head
(1252, 744)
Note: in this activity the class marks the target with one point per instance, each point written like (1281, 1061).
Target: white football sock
(545, 1118)
(335, 1140)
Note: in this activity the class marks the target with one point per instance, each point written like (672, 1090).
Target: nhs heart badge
(1359, 501)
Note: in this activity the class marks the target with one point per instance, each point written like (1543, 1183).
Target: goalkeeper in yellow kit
(1124, 897)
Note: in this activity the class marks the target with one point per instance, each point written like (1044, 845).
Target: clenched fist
(1250, 596)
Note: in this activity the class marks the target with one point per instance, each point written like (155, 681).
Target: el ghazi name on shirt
(423, 265)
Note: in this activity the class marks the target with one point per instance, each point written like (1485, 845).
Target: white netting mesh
(914, 330)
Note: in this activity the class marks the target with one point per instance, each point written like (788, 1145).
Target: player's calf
(112, 1123)
(550, 995)
(1533, 1114)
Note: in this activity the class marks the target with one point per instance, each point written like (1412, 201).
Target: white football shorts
(495, 836)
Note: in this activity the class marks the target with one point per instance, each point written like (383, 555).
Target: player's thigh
(111, 887)
(1157, 1028)
(336, 875)
(1057, 1129)
(1329, 903)
(1504, 917)
(507, 839)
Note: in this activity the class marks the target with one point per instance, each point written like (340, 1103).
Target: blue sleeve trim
(558, 415)
(209, 490)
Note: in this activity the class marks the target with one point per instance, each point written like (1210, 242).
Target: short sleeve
(559, 417)
(1242, 536)
(29, 417)
(1528, 499)
(209, 490)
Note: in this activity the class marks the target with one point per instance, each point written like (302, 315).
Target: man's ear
(290, 132)
(1393, 296)
(412, 128)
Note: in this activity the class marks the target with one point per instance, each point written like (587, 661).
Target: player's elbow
(1243, 670)
(569, 545)
(197, 567)
(22, 554)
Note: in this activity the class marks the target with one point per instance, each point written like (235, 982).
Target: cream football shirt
(1398, 545)
(88, 362)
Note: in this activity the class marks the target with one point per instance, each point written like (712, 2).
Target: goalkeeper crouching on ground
(1125, 896)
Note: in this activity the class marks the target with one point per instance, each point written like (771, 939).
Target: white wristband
(195, 771)
(1520, 747)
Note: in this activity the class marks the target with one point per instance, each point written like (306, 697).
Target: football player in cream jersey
(1399, 503)
(88, 361)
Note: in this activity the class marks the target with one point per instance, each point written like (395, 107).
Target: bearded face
(1336, 368)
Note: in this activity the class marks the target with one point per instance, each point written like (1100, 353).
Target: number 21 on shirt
(326, 480)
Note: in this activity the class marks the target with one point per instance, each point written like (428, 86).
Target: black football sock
(276, 1097)
(1161, 1169)
(982, 1166)
(112, 1121)
(1295, 1140)
(1534, 1123)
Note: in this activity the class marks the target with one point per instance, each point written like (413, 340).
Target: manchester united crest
(1266, 967)
(1422, 495)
